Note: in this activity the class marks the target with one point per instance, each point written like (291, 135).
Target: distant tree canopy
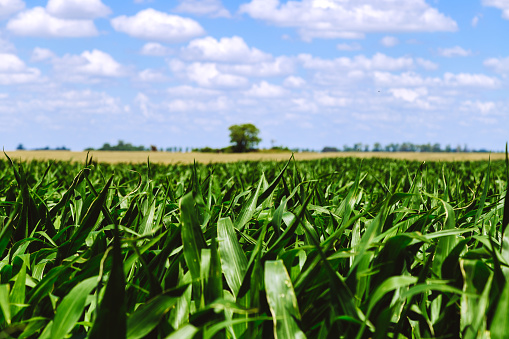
(404, 147)
(121, 146)
(244, 137)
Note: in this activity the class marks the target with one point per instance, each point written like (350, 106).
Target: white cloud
(475, 20)
(232, 49)
(379, 61)
(155, 49)
(190, 91)
(324, 98)
(38, 23)
(389, 41)
(9, 7)
(77, 9)
(413, 79)
(427, 64)
(484, 107)
(455, 51)
(219, 104)
(208, 75)
(14, 71)
(41, 54)
(151, 75)
(467, 79)
(6, 46)
(350, 18)
(153, 25)
(500, 65)
(88, 66)
(295, 82)
(265, 90)
(409, 95)
(281, 65)
(147, 108)
(500, 4)
(354, 46)
(73, 102)
(212, 8)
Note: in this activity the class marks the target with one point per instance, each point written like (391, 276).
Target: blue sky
(308, 73)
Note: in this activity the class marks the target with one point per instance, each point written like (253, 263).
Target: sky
(308, 73)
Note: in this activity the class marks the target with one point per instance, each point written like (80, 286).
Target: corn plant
(331, 248)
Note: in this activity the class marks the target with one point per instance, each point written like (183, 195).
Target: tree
(244, 137)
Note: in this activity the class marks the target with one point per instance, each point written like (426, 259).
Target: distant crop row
(331, 248)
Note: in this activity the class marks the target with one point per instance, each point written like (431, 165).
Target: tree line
(403, 147)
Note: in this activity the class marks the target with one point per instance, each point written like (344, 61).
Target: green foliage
(332, 248)
(244, 137)
(120, 146)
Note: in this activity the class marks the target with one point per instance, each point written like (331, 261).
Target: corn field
(329, 248)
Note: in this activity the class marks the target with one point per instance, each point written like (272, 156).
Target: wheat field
(206, 158)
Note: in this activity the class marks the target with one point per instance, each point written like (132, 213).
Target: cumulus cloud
(265, 90)
(294, 81)
(207, 75)
(455, 51)
(500, 4)
(77, 101)
(212, 8)
(6, 45)
(379, 61)
(151, 75)
(427, 64)
(407, 94)
(14, 71)
(413, 79)
(282, 65)
(190, 91)
(483, 107)
(155, 49)
(350, 18)
(147, 108)
(475, 20)
(389, 41)
(88, 66)
(9, 7)
(325, 98)
(38, 23)
(150, 24)
(354, 46)
(232, 49)
(500, 65)
(221, 103)
(77, 9)
(41, 54)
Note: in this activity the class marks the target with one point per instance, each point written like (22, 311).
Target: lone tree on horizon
(244, 137)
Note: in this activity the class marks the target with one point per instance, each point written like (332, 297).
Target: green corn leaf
(4, 303)
(192, 241)
(78, 238)
(18, 291)
(148, 316)
(499, 325)
(186, 332)
(282, 301)
(111, 317)
(233, 258)
(249, 208)
(71, 308)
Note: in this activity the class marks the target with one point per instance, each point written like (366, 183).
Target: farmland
(322, 248)
(205, 158)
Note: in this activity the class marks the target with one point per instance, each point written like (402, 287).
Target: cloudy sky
(308, 73)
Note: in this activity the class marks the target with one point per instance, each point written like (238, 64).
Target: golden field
(187, 158)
